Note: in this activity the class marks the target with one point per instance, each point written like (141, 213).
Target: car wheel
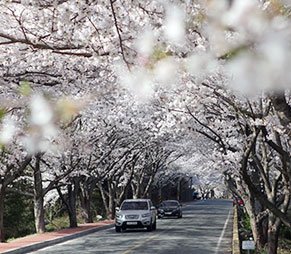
(155, 225)
(117, 229)
(150, 227)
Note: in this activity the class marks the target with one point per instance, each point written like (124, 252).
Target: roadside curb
(61, 239)
(235, 237)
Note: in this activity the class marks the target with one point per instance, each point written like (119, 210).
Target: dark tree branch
(220, 141)
(119, 34)
(12, 39)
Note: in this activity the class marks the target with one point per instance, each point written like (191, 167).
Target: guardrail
(235, 237)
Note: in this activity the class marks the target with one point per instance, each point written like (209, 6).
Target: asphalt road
(206, 228)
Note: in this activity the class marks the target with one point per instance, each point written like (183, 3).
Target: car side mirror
(117, 209)
(153, 208)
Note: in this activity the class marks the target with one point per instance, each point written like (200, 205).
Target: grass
(63, 222)
(10, 239)
(58, 223)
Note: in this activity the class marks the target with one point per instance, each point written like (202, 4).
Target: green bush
(58, 223)
(97, 206)
(247, 223)
(18, 215)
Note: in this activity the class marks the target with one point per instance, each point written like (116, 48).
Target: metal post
(178, 190)
(160, 195)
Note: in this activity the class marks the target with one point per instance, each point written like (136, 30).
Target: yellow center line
(150, 238)
(140, 244)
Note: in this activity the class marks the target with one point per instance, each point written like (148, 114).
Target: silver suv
(136, 213)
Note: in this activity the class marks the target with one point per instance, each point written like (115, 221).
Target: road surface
(206, 228)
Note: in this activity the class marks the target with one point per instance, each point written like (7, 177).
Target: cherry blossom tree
(215, 68)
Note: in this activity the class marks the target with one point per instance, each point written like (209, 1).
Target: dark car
(170, 208)
(196, 195)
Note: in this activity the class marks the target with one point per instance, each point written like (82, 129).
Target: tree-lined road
(206, 228)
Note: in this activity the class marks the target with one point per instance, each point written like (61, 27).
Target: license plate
(131, 223)
(168, 213)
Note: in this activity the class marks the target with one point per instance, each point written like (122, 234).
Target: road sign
(248, 245)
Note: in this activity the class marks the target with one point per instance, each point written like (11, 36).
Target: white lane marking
(222, 233)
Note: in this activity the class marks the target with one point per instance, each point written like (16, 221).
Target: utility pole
(160, 195)
(178, 189)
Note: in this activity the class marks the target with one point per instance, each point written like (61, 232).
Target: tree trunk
(108, 199)
(2, 233)
(85, 195)
(258, 230)
(134, 191)
(85, 202)
(258, 233)
(160, 194)
(111, 204)
(39, 215)
(137, 189)
(104, 199)
(273, 234)
(111, 212)
(282, 108)
(72, 205)
(38, 198)
(272, 241)
(148, 186)
(123, 193)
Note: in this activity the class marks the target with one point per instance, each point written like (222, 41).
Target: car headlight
(146, 215)
(119, 216)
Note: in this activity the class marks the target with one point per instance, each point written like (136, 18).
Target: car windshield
(136, 205)
(170, 203)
